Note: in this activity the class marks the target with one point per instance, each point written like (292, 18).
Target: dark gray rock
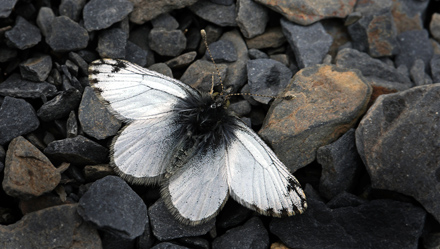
(195, 242)
(44, 19)
(23, 35)
(241, 108)
(15, 86)
(182, 60)
(222, 15)
(267, 77)
(146, 239)
(252, 234)
(341, 165)
(232, 215)
(78, 150)
(362, 226)
(431, 240)
(162, 68)
(199, 75)
(145, 10)
(101, 14)
(71, 8)
(257, 54)
(168, 245)
(60, 106)
(95, 119)
(435, 68)
(434, 26)
(2, 154)
(352, 18)
(309, 43)
(7, 54)
(345, 199)
(139, 36)
(110, 241)
(165, 21)
(114, 207)
(406, 124)
(112, 43)
(71, 125)
(66, 35)
(37, 68)
(251, 18)
(222, 51)
(6, 8)
(167, 42)
(135, 54)
(409, 15)
(166, 227)
(414, 45)
(17, 117)
(418, 75)
(80, 62)
(53, 227)
(223, 2)
(272, 38)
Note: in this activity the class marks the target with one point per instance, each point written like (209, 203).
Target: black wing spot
(291, 185)
(94, 81)
(94, 71)
(270, 211)
(284, 212)
(118, 66)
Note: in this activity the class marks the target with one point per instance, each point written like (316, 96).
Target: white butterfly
(192, 145)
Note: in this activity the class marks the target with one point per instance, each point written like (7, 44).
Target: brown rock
(408, 14)
(199, 75)
(96, 172)
(328, 101)
(145, 10)
(272, 38)
(28, 172)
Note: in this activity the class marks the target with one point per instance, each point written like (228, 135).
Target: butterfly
(191, 144)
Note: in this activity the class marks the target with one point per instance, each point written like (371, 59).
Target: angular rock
(362, 226)
(345, 199)
(166, 227)
(221, 15)
(434, 26)
(309, 43)
(409, 15)
(272, 38)
(257, 54)
(28, 172)
(14, 86)
(137, 55)
(199, 75)
(54, 227)
(36, 69)
(111, 205)
(182, 60)
(60, 106)
(7, 54)
(251, 18)
(17, 117)
(165, 21)
(418, 75)
(71, 8)
(406, 124)
(44, 19)
(167, 43)
(252, 234)
(101, 14)
(71, 125)
(222, 51)
(162, 68)
(435, 68)
(112, 43)
(66, 35)
(77, 150)
(327, 101)
(96, 172)
(6, 8)
(414, 45)
(95, 119)
(80, 62)
(241, 108)
(23, 35)
(145, 10)
(375, 32)
(341, 165)
(168, 245)
(267, 77)
(307, 12)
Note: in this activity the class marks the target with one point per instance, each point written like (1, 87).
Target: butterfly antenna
(203, 33)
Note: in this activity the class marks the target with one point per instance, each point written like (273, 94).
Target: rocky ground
(362, 134)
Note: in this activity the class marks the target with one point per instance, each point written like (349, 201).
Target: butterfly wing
(133, 92)
(258, 179)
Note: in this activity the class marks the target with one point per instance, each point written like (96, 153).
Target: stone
(36, 68)
(414, 45)
(221, 15)
(345, 199)
(418, 75)
(168, 245)
(341, 165)
(328, 101)
(139, 37)
(137, 55)
(54, 227)
(199, 75)
(167, 42)
(434, 26)
(162, 68)
(80, 62)
(267, 77)
(272, 38)
(165, 21)
(409, 15)
(252, 234)
(165, 227)
(111, 205)
(222, 51)
(71, 125)
(112, 43)
(305, 12)
(352, 18)
(71, 8)
(233, 215)
(213, 33)
(6, 8)
(336, 29)
(96, 172)
(7, 54)
(257, 54)
(361, 226)
(251, 18)
(375, 32)
(44, 20)
(309, 43)
(146, 10)
(77, 150)
(17, 117)
(23, 35)
(240, 108)
(406, 124)
(66, 35)
(60, 106)
(101, 14)
(435, 68)
(28, 172)
(182, 60)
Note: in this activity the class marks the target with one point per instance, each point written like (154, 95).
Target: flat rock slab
(398, 140)
(55, 227)
(327, 102)
(28, 172)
